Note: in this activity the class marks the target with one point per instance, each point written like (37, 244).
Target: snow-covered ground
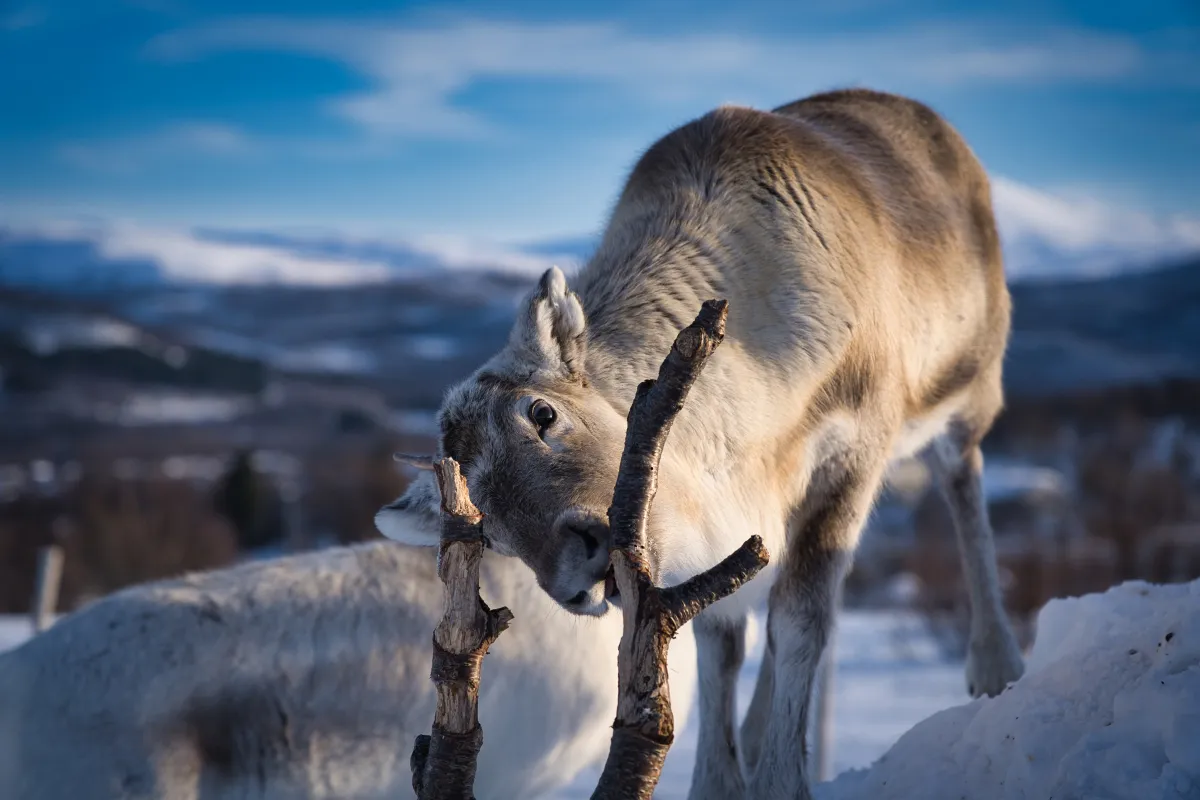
(890, 676)
(1109, 708)
(14, 629)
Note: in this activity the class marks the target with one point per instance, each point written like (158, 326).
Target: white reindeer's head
(540, 449)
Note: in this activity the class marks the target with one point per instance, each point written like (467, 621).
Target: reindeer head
(540, 450)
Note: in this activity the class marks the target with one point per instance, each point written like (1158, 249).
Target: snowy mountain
(1046, 235)
(85, 258)
(69, 264)
(1131, 328)
(1074, 235)
(1095, 305)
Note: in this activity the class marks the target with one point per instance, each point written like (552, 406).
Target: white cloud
(419, 71)
(1048, 233)
(181, 139)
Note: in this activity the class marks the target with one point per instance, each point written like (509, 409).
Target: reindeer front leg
(720, 648)
(821, 544)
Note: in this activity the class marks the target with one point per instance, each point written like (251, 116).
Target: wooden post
(290, 495)
(45, 596)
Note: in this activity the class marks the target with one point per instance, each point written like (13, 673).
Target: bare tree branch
(654, 409)
(645, 726)
(443, 765)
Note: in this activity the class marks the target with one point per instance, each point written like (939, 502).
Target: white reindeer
(302, 677)
(853, 236)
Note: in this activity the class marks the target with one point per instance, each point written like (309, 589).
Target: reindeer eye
(542, 415)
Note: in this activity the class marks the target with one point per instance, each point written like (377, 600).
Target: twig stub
(456, 497)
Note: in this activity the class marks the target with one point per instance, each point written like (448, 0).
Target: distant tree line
(118, 531)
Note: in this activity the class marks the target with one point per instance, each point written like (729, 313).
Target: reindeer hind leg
(993, 657)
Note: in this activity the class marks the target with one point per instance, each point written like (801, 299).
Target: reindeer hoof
(992, 664)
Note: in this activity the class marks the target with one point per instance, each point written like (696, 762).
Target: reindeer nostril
(590, 543)
(578, 599)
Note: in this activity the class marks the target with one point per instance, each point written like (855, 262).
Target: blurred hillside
(153, 426)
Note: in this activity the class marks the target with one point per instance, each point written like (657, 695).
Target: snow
(1005, 479)
(164, 407)
(70, 254)
(1075, 233)
(53, 332)
(432, 348)
(890, 676)
(14, 629)
(1060, 232)
(327, 357)
(1109, 708)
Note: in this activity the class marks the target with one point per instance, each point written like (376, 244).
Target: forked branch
(645, 726)
(443, 765)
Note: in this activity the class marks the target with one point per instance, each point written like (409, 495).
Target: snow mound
(1109, 709)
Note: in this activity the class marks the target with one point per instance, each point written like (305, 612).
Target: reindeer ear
(549, 332)
(416, 516)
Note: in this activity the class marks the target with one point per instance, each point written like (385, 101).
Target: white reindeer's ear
(549, 332)
(416, 516)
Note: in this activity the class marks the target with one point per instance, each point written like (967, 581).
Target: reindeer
(301, 677)
(852, 234)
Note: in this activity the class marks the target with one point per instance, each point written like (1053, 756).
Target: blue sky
(518, 121)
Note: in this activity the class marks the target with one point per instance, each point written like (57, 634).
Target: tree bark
(443, 765)
(645, 727)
